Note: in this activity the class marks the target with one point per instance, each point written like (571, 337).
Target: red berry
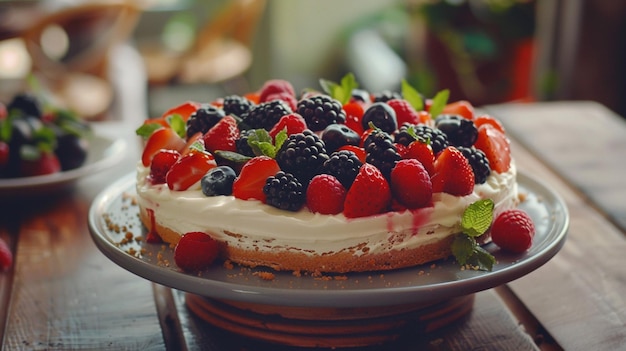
(163, 138)
(222, 136)
(249, 184)
(325, 194)
(286, 97)
(496, 147)
(47, 163)
(354, 112)
(4, 154)
(453, 173)
(368, 195)
(275, 86)
(422, 152)
(6, 256)
(513, 230)
(161, 164)
(184, 110)
(487, 119)
(294, 123)
(462, 108)
(195, 251)
(189, 169)
(405, 113)
(410, 184)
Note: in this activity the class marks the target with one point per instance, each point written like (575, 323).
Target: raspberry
(513, 230)
(195, 251)
(275, 86)
(325, 195)
(284, 191)
(405, 113)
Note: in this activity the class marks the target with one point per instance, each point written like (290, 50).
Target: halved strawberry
(496, 147)
(487, 119)
(453, 173)
(462, 108)
(161, 164)
(294, 123)
(249, 184)
(195, 251)
(163, 138)
(189, 169)
(222, 136)
(422, 152)
(184, 110)
(354, 112)
(369, 194)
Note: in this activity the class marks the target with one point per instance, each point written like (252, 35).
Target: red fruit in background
(424, 117)
(189, 169)
(249, 184)
(422, 152)
(410, 184)
(513, 230)
(354, 112)
(161, 164)
(486, 119)
(405, 113)
(275, 86)
(325, 195)
(4, 154)
(462, 108)
(453, 173)
(369, 194)
(164, 138)
(6, 256)
(47, 163)
(254, 97)
(184, 110)
(195, 251)
(222, 136)
(286, 97)
(496, 147)
(294, 123)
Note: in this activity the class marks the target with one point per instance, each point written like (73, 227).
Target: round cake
(337, 180)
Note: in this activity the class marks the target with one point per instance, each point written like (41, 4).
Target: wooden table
(63, 293)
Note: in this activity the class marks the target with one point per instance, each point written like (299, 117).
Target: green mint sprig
(342, 91)
(476, 220)
(175, 121)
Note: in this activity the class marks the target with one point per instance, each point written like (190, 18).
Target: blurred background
(91, 55)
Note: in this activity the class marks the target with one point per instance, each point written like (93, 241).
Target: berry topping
(218, 181)
(161, 164)
(410, 184)
(479, 163)
(189, 169)
(354, 113)
(422, 152)
(38, 162)
(293, 123)
(461, 108)
(438, 140)
(486, 119)
(222, 136)
(302, 155)
(453, 173)
(284, 191)
(405, 113)
(320, 111)
(496, 147)
(368, 195)
(338, 135)
(325, 195)
(343, 165)
(386, 95)
(249, 184)
(275, 86)
(6, 256)
(458, 130)
(163, 138)
(27, 103)
(382, 116)
(266, 114)
(203, 119)
(195, 251)
(381, 151)
(184, 110)
(513, 230)
(236, 105)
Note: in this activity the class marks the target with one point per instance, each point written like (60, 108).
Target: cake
(334, 180)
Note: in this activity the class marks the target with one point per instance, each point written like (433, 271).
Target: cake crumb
(265, 275)
(228, 264)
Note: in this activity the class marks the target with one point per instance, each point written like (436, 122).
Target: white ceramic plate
(423, 284)
(102, 153)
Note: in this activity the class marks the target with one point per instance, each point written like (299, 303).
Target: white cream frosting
(263, 227)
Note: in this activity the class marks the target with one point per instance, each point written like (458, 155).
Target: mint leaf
(342, 91)
(232, 156)
(463, 247)
(178, 124)
(147, 129)
(411, 95)
(481, 259)
(477, 217)
(261, 143)
(439, 102)
(280, 138)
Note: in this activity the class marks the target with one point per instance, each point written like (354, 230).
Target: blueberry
(218, 181)
(382, 116)
(338, 135)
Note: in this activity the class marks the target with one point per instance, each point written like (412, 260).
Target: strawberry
(286, 97)
(325, 195)
(189, 169)
(222, 136)
(453, 173)
(357, 150)
(405, 113)
(249, 184)
(513, 230)
(369, 194)
(462, 108)
(422, 152)
(486, 119)
(4, 154)
(46, 163)
(354, 112)
(162, 138)
(410, 184)
(6, 256)
(184, 110)
(424, 117)
(161, 164)
(195, 251)
(275, 86)
(496, 147)
(294, 123)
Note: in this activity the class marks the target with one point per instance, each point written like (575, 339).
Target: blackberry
(343, 165)
(381, 152)
(386, 95)
(320, 111)
(284, 191)
(338, 135)
(438, 140)
(404, 136)
(303, 155)
(242, 143)
(27, 103)
(459, 131)
(382, 116)
(265, 115)
(237, 105)
(203, 119)
(478, 161)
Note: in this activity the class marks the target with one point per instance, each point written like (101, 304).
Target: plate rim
(327, 298)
